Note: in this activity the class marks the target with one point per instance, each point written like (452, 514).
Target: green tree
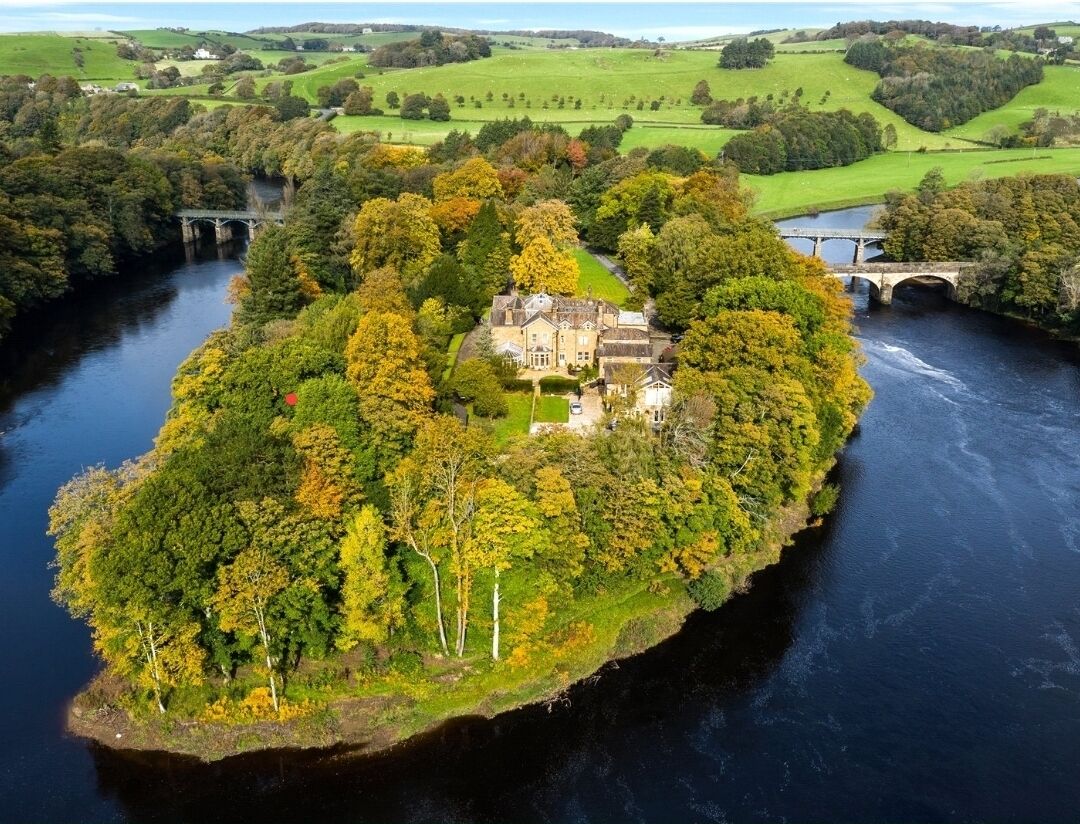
(274, 290)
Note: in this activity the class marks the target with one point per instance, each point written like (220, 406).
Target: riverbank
(376, 716)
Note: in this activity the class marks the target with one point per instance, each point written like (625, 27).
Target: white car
(575, 408)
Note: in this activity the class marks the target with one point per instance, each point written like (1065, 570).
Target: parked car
(575, 408)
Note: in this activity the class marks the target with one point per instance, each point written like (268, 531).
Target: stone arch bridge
(884, 277)
(223, 220)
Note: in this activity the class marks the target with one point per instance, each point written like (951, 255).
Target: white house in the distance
(366, 31)
(203, 53)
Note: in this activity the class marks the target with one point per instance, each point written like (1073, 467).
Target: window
(583, 340)
(534, 337)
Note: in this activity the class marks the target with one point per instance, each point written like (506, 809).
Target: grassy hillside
(794, 193)
(37, 54)
(168, 39)
(611, 81)
(1059, 91)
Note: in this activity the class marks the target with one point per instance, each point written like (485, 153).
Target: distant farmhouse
(203, 53)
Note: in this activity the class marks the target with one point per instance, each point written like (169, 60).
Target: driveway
(592, 410)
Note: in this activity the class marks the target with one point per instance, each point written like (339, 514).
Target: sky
(674, 21)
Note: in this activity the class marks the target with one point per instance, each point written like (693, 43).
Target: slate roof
(621, 334)
(616, 349)
(650, 372)
(576, 311)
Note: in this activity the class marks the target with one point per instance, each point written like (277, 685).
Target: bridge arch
(948, 280)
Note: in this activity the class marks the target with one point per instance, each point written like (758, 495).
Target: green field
(793, 193)
(612, 81)
(37, 54)
(598, 281)
(168, 39)
(1059, 91)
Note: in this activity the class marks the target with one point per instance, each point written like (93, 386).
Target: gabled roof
(539, 316)
(650, 373)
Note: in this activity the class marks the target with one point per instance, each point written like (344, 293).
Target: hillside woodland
(936, 89)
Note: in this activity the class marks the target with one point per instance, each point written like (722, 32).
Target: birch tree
(504, 530)
(246, 589)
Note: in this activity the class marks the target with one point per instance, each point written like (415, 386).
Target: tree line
(793, 138)
(309, 499)
(936, 89)
(1021, 234)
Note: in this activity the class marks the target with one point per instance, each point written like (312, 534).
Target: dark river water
(915, 659)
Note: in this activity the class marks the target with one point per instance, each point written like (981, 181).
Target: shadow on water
(513, 767)
(47, 343)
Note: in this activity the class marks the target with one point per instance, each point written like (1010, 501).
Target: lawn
(517, 421)
(793, 193)
(452, 353)
(552, 409)
(598, 281)
(37, 54)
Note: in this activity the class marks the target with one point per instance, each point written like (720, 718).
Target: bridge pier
(817, 246)
(860, 251)
(222, 231)
(251, 224)
(189, 230)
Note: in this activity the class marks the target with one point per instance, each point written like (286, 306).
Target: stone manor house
(553, 333)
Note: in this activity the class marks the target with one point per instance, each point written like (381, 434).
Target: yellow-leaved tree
(385, 364)
(372, 594)
(542, 268)
(504, 530)
(399, 233)
(475, 179)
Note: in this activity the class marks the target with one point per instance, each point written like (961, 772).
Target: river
(915, 659)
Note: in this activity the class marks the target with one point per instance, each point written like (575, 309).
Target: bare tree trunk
(146, 639)
(438, 604)
(260, 616)
(495, 614)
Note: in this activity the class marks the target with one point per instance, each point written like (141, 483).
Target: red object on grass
(290, 399)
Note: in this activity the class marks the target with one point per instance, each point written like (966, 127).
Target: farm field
(168, 39)
(37, 54)
(612, 81)
(1058, 91)
(792, 193)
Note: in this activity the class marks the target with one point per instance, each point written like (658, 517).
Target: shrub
(825, 499)
(710, 590)
(518, 385)
(558, 385)
(407, 663)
